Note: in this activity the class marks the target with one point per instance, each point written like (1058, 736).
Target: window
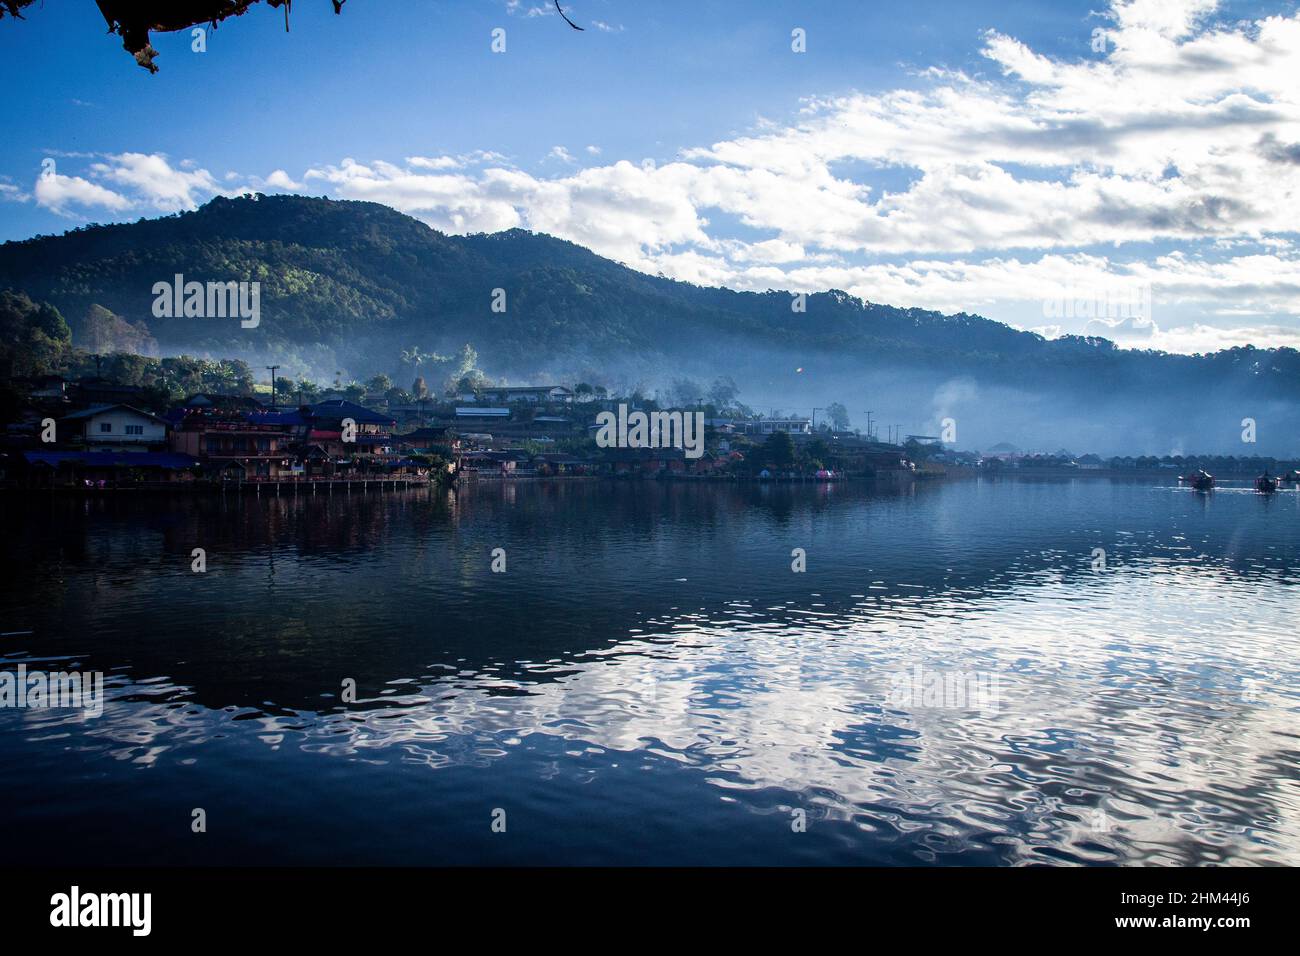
(135, 429)
(105, 426)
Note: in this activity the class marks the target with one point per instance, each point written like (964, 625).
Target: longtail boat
(1200, 479)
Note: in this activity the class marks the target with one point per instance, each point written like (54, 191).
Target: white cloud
(517, 8)
(434, 162)
(962, 194)
(158, 184)
(72, 195)
(1205, 338)
(279, 179)
(1123, 329)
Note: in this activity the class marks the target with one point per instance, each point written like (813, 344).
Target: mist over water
(650, 682)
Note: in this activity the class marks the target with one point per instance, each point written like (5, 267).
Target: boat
(1289, 478)
(1200, 479)
(1265, 485)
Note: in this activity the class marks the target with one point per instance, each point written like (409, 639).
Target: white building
(113, 428)
(532, 394)
(768, 426)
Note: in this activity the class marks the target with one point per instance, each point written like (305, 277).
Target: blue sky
(979, 156)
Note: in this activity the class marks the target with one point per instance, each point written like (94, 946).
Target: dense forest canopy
(343, 275)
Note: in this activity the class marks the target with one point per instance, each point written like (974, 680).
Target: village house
(115, 428)
(102, 391)
(472, 417)
(709, 463)
(426, 440)
(648, 462)
(489, 464)
(323, 449)
(242, 440)
(233, 440)
(769, 426)
(45, 388)
(532, 394)
(559, 463)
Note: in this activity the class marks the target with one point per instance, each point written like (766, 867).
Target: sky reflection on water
(649, 682)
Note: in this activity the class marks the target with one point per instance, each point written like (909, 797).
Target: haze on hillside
(349, 288)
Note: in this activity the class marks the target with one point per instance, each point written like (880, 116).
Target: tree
(307, 391)
(379, 383)
(778, 450)
(723, 392)
(34, 339)
(467, 377)
(103, 332)
(839, 416)
(474, 382)
(467, 361)
(686, 392)
(125, 368)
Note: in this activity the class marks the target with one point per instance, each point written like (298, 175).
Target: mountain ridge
(366, 255)
(348, 286)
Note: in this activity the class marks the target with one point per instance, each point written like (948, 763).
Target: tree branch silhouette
(566, 19)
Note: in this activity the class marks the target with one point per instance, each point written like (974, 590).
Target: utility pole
(869, 424)
(273, 369)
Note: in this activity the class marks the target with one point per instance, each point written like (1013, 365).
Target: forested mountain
(349, 286)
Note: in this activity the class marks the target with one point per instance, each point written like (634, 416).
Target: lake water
(954, 678)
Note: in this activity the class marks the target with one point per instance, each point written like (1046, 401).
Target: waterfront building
(112, 428)
(232, 440)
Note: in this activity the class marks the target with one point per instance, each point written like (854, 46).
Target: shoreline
(366, 485)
